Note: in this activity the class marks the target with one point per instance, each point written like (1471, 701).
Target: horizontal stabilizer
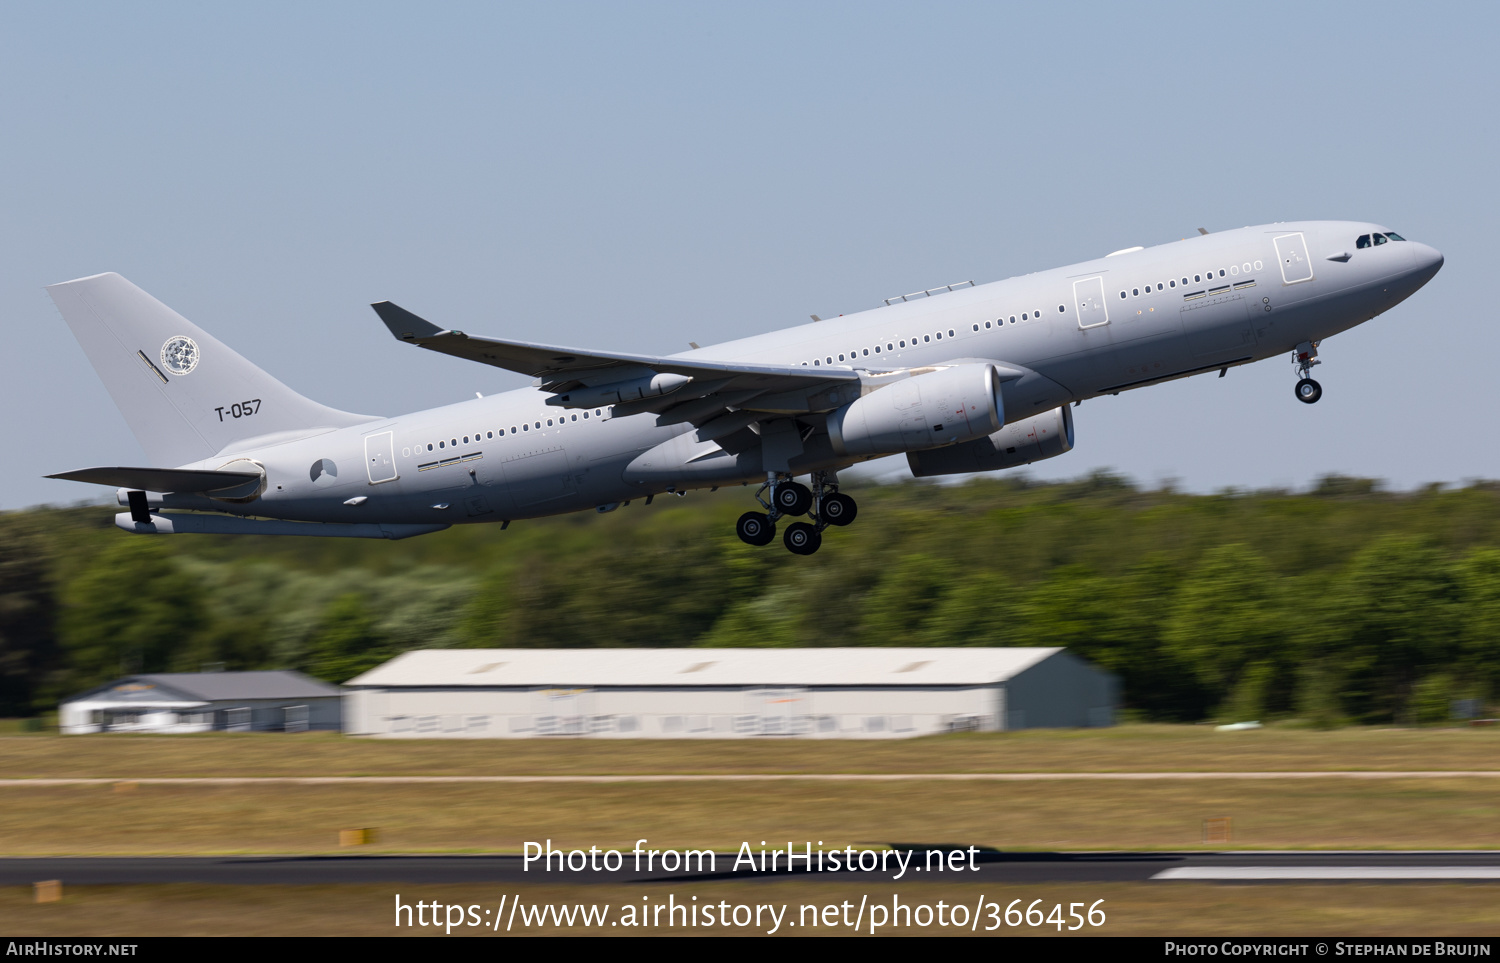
(185, 480)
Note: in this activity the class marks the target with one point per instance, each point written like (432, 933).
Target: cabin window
(585, 416)
(525, 427)
(1024, 316)
(877, 349)
(889, 346)
(976, 327)
(1197, 278)
(1012, 319)
(549, 423)
(940, 335)
(466, 439)
(867, 352)
(829, 359)
(1221, 272)
(1122, 295)
(1136, 291)
(841, 357)
(489, 434)
(441, 445)
(950, 332)
(539, 424)
(429, 447)
(903, 344)
(927, 337)
(1171, 284)
(1061, 309)
(575, 417)
(987, 324)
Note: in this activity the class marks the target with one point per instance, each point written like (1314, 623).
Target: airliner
(962, 378)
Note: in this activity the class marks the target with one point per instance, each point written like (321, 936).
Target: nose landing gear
(780, 496)
(1308, 391)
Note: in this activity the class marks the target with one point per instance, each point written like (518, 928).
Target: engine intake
(945, 407)
(1046, 435)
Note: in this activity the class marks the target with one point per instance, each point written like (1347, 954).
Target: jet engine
(1041, 436)
(944, 407)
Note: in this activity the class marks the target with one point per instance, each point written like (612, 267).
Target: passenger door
(1088, 298)
(1296, 263)
(380, 457)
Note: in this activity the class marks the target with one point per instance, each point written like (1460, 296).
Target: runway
(992, 867)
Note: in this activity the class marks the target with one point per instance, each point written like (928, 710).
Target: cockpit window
(1394, 236)
(1379, 239)
(1364, 241)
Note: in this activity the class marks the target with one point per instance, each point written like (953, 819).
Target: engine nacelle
(1041, 436)
(944, 407)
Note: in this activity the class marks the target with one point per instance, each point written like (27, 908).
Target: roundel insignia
(179, 355)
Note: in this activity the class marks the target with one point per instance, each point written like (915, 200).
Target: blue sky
(635, 176)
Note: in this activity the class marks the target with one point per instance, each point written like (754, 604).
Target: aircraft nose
(1428, 259)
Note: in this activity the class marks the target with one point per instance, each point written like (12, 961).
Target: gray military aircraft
(964, 378)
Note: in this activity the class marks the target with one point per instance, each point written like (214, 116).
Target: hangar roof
(211, 687)
(702, 667)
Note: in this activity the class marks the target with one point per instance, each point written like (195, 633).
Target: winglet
(403, 324)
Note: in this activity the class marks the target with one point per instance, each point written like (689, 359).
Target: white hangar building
(823, 693)
(274, 701)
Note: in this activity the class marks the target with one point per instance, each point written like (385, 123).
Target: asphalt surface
(992, 867)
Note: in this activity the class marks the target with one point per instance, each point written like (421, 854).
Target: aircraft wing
(561, 369)
(162, 479)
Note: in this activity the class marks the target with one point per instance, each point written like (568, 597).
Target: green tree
(909, 592)
(1393, 616)
(130, 609)
(346, 642)
(1226, 623)
(1478, 575)
(28, 645)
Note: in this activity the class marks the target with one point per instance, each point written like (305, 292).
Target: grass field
(1131, 909)
(1326, 813)
(1315, 814)
(1124, 748)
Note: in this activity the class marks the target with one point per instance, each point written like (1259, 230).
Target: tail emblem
(180, 355)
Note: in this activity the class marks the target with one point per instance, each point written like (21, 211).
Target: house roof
(209, 687)
(702, 667)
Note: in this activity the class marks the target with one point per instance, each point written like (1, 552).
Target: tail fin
(185, 395)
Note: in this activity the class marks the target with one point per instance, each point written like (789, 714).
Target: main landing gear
(780, 496)
(1308, 391)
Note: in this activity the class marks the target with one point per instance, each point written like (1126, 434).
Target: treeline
(1342, 604)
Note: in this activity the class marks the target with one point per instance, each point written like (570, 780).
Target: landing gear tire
(755, 528)
(802, 538)
(1309, 391)
(792, 498)
(839, 509)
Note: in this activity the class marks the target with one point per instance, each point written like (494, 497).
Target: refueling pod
(1046, 435)
(944, 407)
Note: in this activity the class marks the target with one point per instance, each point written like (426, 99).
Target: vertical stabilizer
(185, 394)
